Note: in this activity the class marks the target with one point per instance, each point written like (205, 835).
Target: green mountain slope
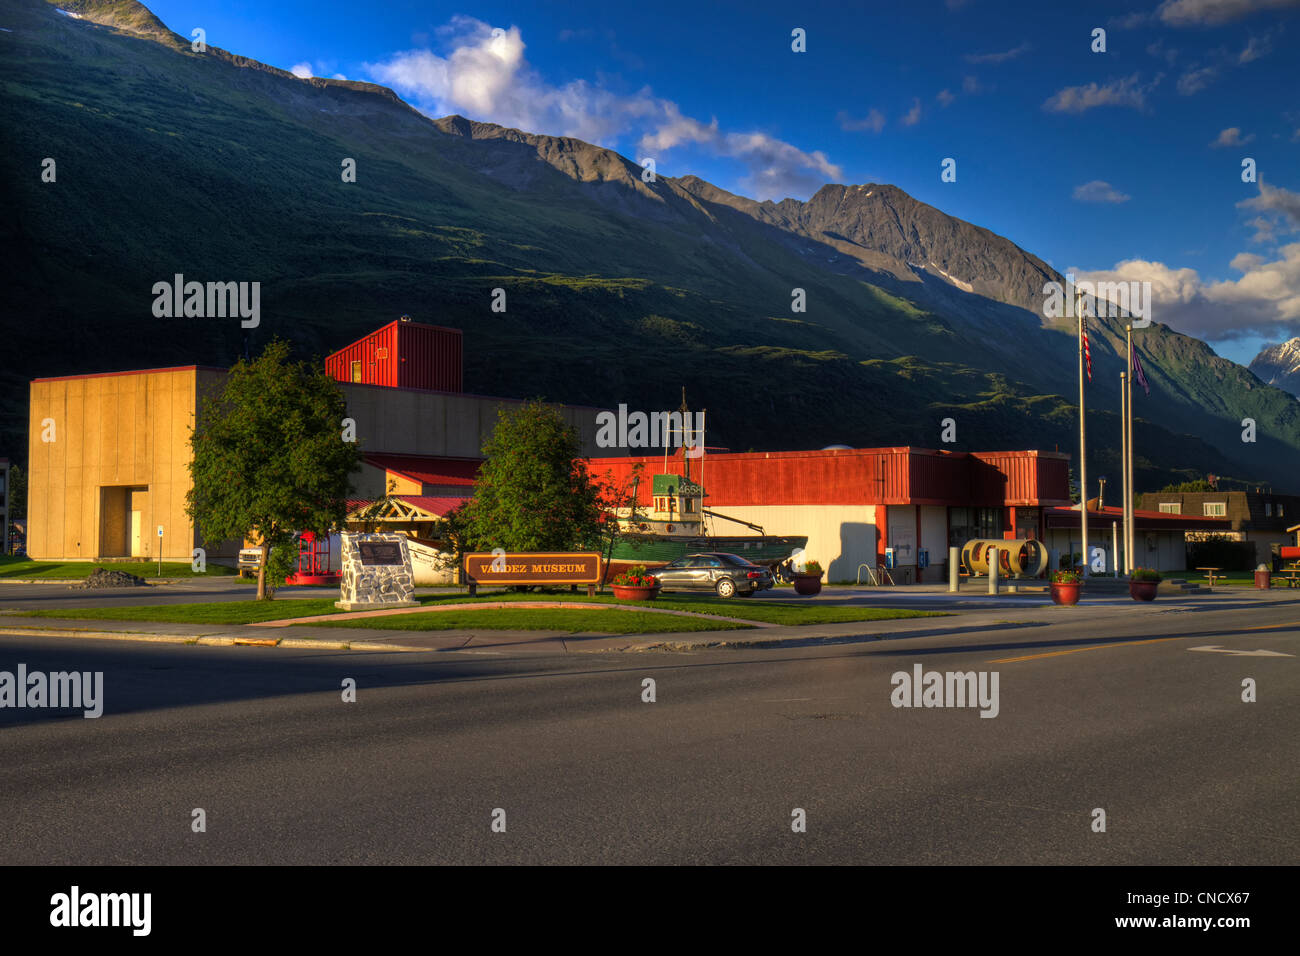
(224, 169)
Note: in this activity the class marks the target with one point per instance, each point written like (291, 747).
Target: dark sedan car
(725, 574)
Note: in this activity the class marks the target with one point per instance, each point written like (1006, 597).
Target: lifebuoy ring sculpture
(1023, 557)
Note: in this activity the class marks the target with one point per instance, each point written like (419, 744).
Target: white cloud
(912, 116)
(1280, 208)
(1232, 137)
(1185, 13)
(1265, 230)
(1129, 21)
(1256, 47)
(971, 85)
(1001, 57)
(1196, 79)
(945, 97)
(874, 121)
(1265, 301)
(1124, 92)
(1160, 51)
(486, 76)
(301, 70)
(1099, 191)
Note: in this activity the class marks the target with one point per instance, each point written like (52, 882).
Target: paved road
(1154, 733)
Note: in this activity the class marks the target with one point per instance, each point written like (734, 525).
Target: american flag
(1139, 375)
(1087, 352)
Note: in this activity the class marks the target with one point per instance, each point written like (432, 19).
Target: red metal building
(402, 354)
(856, 505)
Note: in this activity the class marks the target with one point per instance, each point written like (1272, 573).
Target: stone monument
(376, 572)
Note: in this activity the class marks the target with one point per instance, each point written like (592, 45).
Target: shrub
(812, 567)
(1145, 574)
(1066, 577)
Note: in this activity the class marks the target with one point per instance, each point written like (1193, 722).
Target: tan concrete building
(109, 454)
(108, 464)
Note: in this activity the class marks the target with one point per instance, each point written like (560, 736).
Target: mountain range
(1279, 365)
(617, 290)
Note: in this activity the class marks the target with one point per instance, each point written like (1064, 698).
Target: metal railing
(875, 574)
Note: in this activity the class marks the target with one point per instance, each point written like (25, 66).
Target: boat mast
(686, 458)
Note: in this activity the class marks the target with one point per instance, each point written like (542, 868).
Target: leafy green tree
(1188, 487)
(619, 498)
(270, 458)
(534, 492)
(17, 493)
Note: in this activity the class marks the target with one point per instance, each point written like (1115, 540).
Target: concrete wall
(406, 422)
(839, 536)
(1161, 550)
(111, 434)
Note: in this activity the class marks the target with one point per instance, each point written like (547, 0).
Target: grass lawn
(541, 619)
(767, 611)
(212, 612)
(12, 566)
(247, 612)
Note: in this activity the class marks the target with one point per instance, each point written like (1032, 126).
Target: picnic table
(1209, 573)
(1290, 574)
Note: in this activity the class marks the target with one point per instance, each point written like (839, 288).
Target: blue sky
(1124, 163)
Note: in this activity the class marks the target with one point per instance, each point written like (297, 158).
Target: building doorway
(123, 521)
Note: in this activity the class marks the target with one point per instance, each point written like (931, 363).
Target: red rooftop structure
(403, 354)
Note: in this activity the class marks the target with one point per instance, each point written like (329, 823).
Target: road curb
(208, 640)
(98, 635)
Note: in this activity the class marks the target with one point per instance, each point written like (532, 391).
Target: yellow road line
(1076, 650)
(1265, 627)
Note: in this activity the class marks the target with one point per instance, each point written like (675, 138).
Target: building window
(1268, 509)
(1279, 509)
(1215, 509)
(965, 524)
(1171, 507)
(356, 371)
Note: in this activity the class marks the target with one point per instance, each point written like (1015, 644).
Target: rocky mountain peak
(1280, 365)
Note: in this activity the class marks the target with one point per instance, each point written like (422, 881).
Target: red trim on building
(882, 533)
(429, 470)
(1146, 520)
(437, 505)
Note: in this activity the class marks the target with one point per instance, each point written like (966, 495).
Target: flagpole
(1083, 459)
(1128, 390)
(1123, 464)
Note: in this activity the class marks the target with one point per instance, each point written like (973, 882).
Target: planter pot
(626, 593)
(807, 584)
(1143, 590)
(1065, 593)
